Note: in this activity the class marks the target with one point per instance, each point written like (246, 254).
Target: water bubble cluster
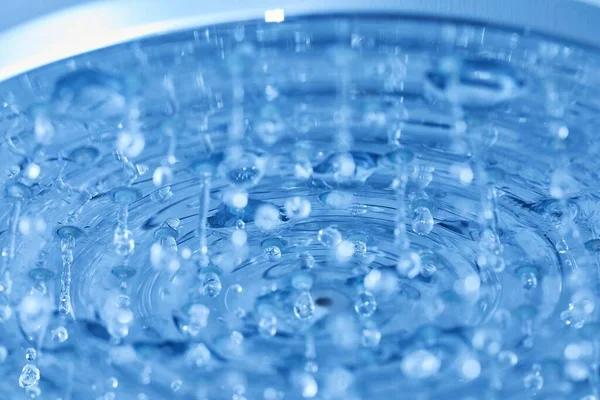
(328, 208)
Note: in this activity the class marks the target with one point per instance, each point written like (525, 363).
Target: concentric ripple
(330, 208)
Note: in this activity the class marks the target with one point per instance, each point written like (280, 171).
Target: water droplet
(344, 251)
(534, 381)
(272, 253)
(176, 385)
(409, 264)
(507, 358)
(307, 261)
(30, 376)
(471, 369)
(162, 176)
(17, 191)
(577, 371)
(297, 208)
(130, 143)
(32, 171)
(236, 198)
(306, 384)
(420, 364)
(428, 270)
(365, 304)
(304, 306)
(199, 355)
(573, 317)
(5, 308)
(422, 222)
(270, 126)
(60, 334)
(563, 185)
(239, 238)
(302, 281)
(336, 199)
(123, 241)
(360, 247)
(30, 354)
(234, 300)
(267, 217)
(561, 246)
(344, 168)
(112, 382)
(267, 324)
(211, 284)
(34, 314)
(422, 176)
(370, 338)
(272, 394)
(329, 237)
(242, 169)
(529, 280)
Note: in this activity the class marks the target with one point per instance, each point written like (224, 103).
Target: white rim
(96, 25)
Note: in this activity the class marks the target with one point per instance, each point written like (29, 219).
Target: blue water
(327, 208)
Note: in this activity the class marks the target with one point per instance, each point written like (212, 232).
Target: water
(328, 208)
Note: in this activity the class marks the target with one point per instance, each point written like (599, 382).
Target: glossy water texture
(327, 208)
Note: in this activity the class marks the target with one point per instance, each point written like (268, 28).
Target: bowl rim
(95, 25)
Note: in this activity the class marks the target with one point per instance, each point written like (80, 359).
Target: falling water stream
(334, 207)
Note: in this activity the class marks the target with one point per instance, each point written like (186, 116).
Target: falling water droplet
(304, 306)
(409, 264)
(272, 253)
(365, 304)
(370, 337)
(422, 222)
(60, 334)
(267, 324)
(30, 354)
(211, 285)
(534, 381)
(30, 376)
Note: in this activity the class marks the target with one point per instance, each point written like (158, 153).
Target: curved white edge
(100, 24)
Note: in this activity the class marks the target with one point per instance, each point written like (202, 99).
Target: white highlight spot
(275, 15)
